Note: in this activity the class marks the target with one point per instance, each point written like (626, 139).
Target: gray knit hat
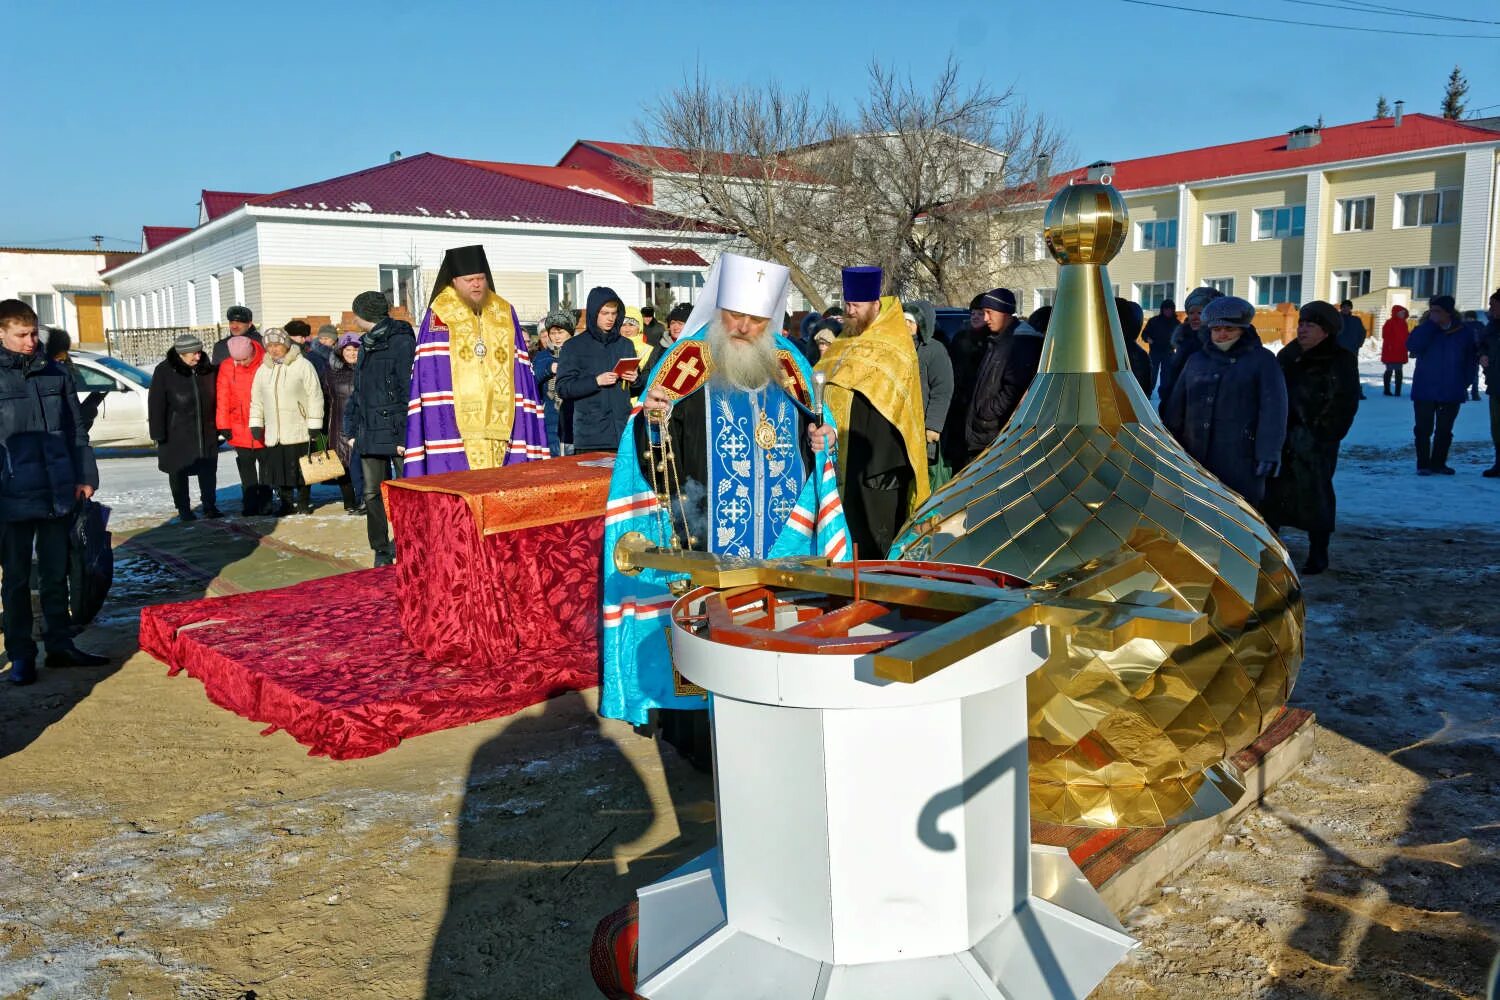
(328, 332)
(559, 318)
(1227, 310)
(275, 335)
(372, 307)
(186, 343)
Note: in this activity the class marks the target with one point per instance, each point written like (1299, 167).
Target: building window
(1280, 223)
(1224, 286)
(214, 302)
(1273, 289)
(1428, 208)
(42, 303)
(239, 286)
(171, 306)
(1425, 282)
(967, 252)
(1151, 294)
(1160, 234)
(1044, 297)
(1016, 250)
(562, 289)
(192, 303)
(1354, 215)
(1350, 284)
(1219, 228)
(399, 285)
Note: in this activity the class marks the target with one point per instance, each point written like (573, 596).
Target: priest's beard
(744, 364)
(853, 325)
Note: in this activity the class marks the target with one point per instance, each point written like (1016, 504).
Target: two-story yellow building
(1383, 212)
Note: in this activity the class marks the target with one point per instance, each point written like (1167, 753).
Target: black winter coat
(182, 412)
(1006, 373)
(1322, 388)
(1228, 409)
(338, 387)
(1158, 335)
(44, 449)
(375, 415)
(220, 352)
(1185, 344)
(599, 412)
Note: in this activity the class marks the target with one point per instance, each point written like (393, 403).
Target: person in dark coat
(966, 349)
(183, 421)
(1129, 313)
(1185, 341)
(1445, 351)
(375, 416)
(936, 369)
(338, 386)
(1489, 360)
(557, 330)
(48, 468)
(1351, 332)
(586, 375)
(1158, 337)
(1228, 405)
(241, 324)
(1322, 388)
(651, 328)
(1009, 365)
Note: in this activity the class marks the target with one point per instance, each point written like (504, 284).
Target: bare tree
(919, 179)
(717, 156)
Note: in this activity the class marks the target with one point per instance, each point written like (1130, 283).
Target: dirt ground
(155, 845)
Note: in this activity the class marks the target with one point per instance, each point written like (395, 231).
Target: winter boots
(1493, 472)
(1317, 553)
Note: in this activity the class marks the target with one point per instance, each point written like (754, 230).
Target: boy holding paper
(587, 373)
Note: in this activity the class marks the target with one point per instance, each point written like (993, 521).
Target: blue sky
(131, 109)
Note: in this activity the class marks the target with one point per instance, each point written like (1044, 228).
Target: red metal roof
(669, 257)
(154, 236)
(217, 203)
(1360, 140)
(680, 161)
(567, 178)
(431, 186)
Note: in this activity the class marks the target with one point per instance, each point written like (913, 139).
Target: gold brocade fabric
(524, 495)
(881, 365)
(484, 401)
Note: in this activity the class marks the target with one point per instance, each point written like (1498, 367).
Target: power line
(1311, 24)
(1382, 10)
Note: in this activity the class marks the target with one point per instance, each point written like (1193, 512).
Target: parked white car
(122, 420)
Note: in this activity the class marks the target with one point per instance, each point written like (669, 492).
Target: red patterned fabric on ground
(325, 661)
(612, 955)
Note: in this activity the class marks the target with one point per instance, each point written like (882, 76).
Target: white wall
(23, 272)
(193, 257)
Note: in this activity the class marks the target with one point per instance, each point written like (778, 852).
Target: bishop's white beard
(744, 364)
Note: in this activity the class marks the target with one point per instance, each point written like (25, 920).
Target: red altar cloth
(325, 661)
(473, 588)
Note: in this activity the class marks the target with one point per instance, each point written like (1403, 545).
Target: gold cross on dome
(759, 275)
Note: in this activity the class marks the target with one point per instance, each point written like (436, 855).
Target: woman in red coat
(235, 378)
(1393, 348)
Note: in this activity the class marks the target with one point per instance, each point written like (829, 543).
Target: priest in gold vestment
(474, 401)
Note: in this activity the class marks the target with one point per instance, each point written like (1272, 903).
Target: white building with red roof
(550, 234)
(63, 286)
(1381, 212)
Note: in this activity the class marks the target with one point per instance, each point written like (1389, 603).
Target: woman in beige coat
(286, 410)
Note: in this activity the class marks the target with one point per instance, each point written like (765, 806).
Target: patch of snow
(423, 210)
(463, 213)
(598, 193)
(360, 206)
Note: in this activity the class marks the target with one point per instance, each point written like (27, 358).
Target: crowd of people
(1267, 425)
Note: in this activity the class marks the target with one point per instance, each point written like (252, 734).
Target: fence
(146, 346)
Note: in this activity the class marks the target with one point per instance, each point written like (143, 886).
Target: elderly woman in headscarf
(181, 409)
(633, 329)
(338, 386)
(557, 415)
(236, 376)
(286, 409)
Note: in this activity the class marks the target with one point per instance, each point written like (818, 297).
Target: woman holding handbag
(286, 410)
(338, 386)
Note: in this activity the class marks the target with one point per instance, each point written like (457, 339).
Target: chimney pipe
(1400, 107)
(1043, 172)
(394, 156)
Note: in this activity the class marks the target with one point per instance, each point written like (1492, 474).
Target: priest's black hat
(459, 261)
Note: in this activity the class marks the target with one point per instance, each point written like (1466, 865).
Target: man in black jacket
(47, 468)
(1489, 360)
(1158, 337)
(586, 375)
(241, 324)
(375, 416)
(1006, 372)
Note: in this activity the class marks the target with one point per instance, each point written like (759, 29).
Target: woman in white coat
(286, 410)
